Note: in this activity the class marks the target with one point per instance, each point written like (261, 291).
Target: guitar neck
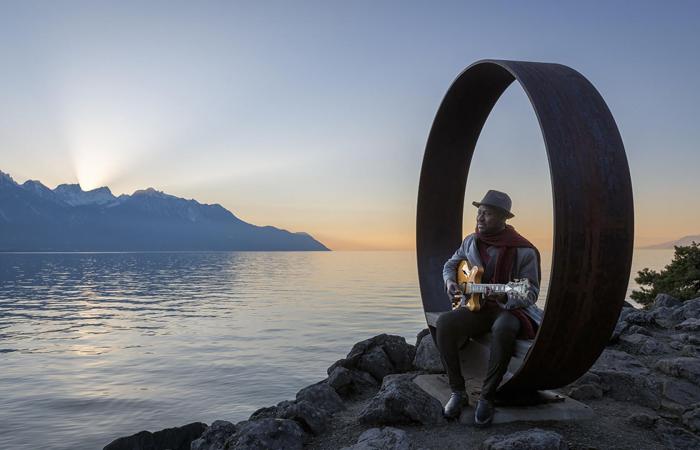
(475, 288)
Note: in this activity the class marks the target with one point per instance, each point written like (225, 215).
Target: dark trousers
(457, 326)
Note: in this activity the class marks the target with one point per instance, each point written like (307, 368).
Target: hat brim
(508, 214)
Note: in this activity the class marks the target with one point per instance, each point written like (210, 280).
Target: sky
(313, 116)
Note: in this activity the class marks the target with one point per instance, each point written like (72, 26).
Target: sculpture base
(533, 407)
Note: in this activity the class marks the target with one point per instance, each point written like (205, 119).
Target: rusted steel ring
(592, 199)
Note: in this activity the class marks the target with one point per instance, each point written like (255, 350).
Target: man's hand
(499, 297)
(452, 287)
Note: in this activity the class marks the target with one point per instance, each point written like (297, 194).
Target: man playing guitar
(504, 255)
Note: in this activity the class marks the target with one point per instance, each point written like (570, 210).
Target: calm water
(97, 346)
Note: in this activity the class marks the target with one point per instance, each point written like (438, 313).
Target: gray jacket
(524, 266)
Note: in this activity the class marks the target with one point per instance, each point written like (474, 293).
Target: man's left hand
(499, 297)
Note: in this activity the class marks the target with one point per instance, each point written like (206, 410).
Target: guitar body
(465, 277)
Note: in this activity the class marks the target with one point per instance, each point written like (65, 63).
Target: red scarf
(507, 241)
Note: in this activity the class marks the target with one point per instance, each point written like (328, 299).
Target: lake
(94, 346)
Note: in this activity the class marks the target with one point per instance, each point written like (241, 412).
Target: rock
(620, 328)
(636, 329)
(667, 317)
(270, 434)
(376, 362)
(421, 334)
(640, 318)
(691, 308)
(675, 437)
(666, 300)
(347, 382)
(691, 418)
(385, 438)
(312, 419)
(641, 344)
(214, 437)
(428, 356)
(322, 396)
(400, 400)
(586, 392)
(680, 391)
(340, 379)
(643, 420)
(622, 324)
(588, 378)
(534, 439)
(618, 360)
(683, 367)
(687, 338)
(625, 378)
(178, 438)
(689, 325)
(379, 356)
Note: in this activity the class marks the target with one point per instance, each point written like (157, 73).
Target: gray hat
(497, 199)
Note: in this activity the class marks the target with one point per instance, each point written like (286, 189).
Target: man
(505, 255)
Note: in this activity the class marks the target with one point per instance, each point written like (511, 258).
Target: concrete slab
(565, 408)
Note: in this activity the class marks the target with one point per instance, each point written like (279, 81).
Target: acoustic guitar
(471, 289)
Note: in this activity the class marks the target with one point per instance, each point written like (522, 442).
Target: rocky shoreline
(644, 389)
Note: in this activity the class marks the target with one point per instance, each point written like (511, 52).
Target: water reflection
(95, 346)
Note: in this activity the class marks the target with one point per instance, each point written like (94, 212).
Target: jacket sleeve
(449, 270)
(527, 268)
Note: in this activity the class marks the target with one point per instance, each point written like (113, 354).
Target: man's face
(489, 219)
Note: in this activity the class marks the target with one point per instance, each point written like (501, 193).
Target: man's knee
(449, 320)
(506, 327)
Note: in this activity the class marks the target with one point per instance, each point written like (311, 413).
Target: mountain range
(36, 218)
(684, 241)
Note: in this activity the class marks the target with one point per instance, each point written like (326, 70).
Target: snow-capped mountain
(75, 196)
(36, 218)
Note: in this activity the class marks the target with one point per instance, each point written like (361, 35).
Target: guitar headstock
(519, 287)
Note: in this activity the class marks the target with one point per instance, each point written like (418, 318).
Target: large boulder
(379, 356)
(400, 400)
(683, 367)
(676, 437)
(428, 356)
(667, 317)
(644, 318)
(691, 308)
(322, 396)
(177, 438)
(385, 438)
(691, 417)
(625, 378)
(665, 300)
(214, 437)
(641, 344)
(421, 334)
(311, 418)
(586, 392)
(347, 382)
(691, 324)
(534, 439)
(679, 392)
(270, 434)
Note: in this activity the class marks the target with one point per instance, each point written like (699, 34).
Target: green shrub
(681, 278)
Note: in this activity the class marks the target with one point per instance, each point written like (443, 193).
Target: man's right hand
(452, 287)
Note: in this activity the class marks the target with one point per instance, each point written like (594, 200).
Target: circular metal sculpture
(593, 209)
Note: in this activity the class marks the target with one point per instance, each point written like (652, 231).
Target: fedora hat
(497, 199)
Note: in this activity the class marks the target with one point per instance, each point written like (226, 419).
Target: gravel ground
(609, 429)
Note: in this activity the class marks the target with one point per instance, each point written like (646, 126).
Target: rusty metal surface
(592, 199)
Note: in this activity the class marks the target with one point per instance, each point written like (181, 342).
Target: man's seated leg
(451, 329)
(504, 330)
